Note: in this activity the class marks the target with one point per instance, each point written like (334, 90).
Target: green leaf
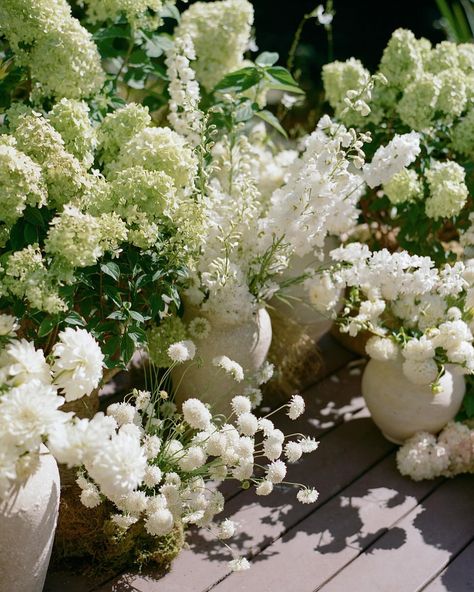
(34, 217)
(170, 11)
(113, 32)
(267, 58)
(269, 118)
(127, 348)
(157, 45)
(117, 315)
(31, 234)
(136, 316)
(47, 325)
(111, 269)
(73, 318)
(240, 80)
(244, 112)
(469, 404)
(281, 79)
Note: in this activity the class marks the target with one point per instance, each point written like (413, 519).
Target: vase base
(392, 439)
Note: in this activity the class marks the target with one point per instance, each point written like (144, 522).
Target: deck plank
(458, 576)
(264, 519)
(333, 535)
(412, 552)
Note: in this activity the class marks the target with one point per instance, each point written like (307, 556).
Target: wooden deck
(371, 531)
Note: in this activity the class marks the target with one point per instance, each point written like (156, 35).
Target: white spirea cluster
(425, 456)
(159, 475)
(412, 309)
(210, 25)
(29, 400)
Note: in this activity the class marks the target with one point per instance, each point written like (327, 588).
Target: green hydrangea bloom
(113, 232)
(443, 57)
(452, 95)
(402, 59)
(169, 331)
(118, 127)
(60, 53)
(159, 149)
(71, 119)
(340, 77)
(135, 11)
(21, 183)
(466, 57)
(220, 32)
(27, 277)
(37, 137)
(418, 103)
(462, 135)
(404, 186)
(448, 192)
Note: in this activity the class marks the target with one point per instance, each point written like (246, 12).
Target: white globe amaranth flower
(160, 522)
(193, 458)
(248, 424)
(182, 351)
(196, 414)
(123, 521)
(276, 471)
(293, 451)
(308, 444)
(226, 529)
(232, 368)
(225, 25)
(422, 458)
(241, 404)
(90, 496)
(239, 564)
(78, 363)
(307, 496)
(264, 488)
(381, 348)
(123, 413)
(153, 476)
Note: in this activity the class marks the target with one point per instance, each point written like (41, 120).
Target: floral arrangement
(429, 90)
(411, 308)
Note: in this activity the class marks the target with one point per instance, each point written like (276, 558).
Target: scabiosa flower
(265, 488)
(276, 471)
(90, 496)
(78, 363)
(122, 413)
(151, 446)
(160, 522)
(153, 476)
(308, 444)
(196, 414)
(199, 328)
(296, 407)
(193, 458)
(123, 521)
(142, 399)
(182, 351)
(226, 529)
(230, 367)
(293, 451)
(239, 564)
(307, 495)
(248, 424)
(241, 404)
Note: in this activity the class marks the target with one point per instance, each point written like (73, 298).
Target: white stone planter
(401, 408)
(28, 519)
(246, 343)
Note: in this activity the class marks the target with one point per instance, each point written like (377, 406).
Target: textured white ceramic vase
(28, 519)
(401, 408)
(246, 343)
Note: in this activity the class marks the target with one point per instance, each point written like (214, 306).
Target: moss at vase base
(88, 542)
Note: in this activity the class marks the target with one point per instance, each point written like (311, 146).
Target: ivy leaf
(111, 269)
(240, 80)
(267, 58)
(269, 118)
(47, 325)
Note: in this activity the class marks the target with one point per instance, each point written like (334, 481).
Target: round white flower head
(248, 424)
(90, 496)
(193, 458)
(230, 367)
(293, 451)
(307, 495)
(421, 457)
(254, 394)
(153, 476)
(122, 413)
(8, 325)
(142, 399)
(421, 373)
(78, 363)
(419, 350)
(272, 449)
(266, 425)
(196, 414)
(226, 529)
(276, 471)
(199, 328)
(134, 503)
(159, 523)
(151, 446)
(241, 404)
(20, 363)
(239, 564)
(265, 488)
(123, 521)
(381, 348)
(295, 407)
(308, 444)
(182, 351)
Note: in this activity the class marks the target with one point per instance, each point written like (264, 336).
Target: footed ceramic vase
(28, 518)
(401, 409)
(246, 343)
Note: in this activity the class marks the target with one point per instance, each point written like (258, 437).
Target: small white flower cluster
(410, 307)
(29, 400)
(426, 457)
(155, 466)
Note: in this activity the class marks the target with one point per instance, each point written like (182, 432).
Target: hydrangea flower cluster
(425, 456)
(155, 463)
(429, 90)
(412, 309)
(32, 390)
